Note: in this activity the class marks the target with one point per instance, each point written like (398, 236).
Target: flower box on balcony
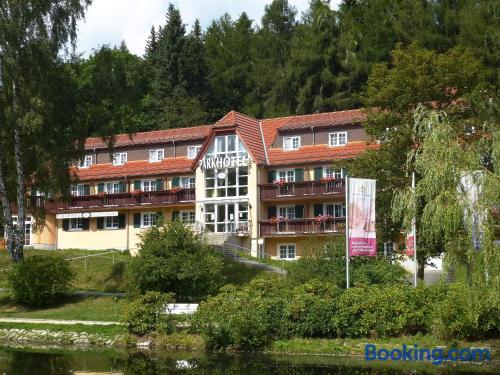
(176, 190)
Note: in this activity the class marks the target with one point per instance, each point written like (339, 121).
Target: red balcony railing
(302, 188)
(160, 197)
(302, 226)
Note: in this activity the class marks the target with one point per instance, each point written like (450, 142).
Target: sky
(111, 21)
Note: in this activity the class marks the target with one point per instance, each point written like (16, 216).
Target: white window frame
(193, 151)
(288, 247)
(75, 224)
(111, 222)
(289, 211)
(187, 216)
(86, 162)
(146, 219)
(149, 185)
(156, 155)
(334, 139)
(291, 143)
(78, 190)
(191, 182)
(329, 172)
(386, 247)
(286, 175)
(339, 207)
(112, 187)
(119, 158)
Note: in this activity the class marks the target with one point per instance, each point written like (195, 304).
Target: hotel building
(265, 185)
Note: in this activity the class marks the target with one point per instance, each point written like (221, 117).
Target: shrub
(40, 280)
(310, 309)
(465, 313)
(242, 318)
(147, 314)
(327, 263)
(172, 259)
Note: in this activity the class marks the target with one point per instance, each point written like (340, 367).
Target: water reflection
(21, 362)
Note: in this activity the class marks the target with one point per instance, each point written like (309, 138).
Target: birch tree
(34, 135)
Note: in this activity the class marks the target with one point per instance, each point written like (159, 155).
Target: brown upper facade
(270, 142)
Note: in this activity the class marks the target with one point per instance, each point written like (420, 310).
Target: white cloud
(111, 21)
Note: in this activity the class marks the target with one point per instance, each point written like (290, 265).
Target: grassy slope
(101, 274)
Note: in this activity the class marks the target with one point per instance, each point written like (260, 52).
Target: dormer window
(291, 143)
(86, 162)
(119, 158)
(156, 155)
(193, 151)
(337, 139)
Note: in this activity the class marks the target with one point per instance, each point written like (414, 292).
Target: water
(24, 362)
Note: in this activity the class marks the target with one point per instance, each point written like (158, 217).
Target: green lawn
(77, 308)
(96, 273)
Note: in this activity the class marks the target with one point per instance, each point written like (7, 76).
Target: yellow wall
(46, 237)
(302, 244)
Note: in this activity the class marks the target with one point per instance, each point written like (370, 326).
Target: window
(76, 224)
(111, 222)
(188, 217)
(291, 143)
(231, 182)
(148, 219)
(149, 185)
(337, 139)
(287, 212)
(79, 190)
(335, 210)
(86, 162)
(286, 175)
(389, 248)
(187, 182)
(193, 151)
(286, 251)
(226, 217)
(333, 173)
(119, 158)
(156, 155)
(113, 188)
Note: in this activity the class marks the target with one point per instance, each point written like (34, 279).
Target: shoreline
(99, 338)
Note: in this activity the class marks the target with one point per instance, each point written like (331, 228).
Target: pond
(33, 362)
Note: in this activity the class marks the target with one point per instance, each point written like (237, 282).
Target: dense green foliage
(173, 259)
(283, 63)
(147, 314)
(40, 280)
(328, 264)
(267, 309)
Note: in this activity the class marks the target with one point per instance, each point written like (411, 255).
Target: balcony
(294, 227)
(120, 200)
(301, 189)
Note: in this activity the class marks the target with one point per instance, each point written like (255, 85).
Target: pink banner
(361, 200)
(410, 244)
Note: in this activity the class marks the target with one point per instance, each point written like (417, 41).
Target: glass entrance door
(226, 217)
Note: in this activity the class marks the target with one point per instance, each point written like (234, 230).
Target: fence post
(85, 263)
(113, 257)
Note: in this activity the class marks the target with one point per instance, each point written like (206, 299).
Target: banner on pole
(361, 226)
(471, 188)
(410, 242)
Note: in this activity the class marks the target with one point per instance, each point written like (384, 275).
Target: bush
(40, 280)
(310, 309)
(327, 264)
(465, 313)
(242, 318)
(172, 259)
(147, 314)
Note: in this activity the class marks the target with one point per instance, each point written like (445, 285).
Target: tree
(32, 34)
(415, 76)
(173, 259)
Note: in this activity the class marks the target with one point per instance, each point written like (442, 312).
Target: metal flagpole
(347, 229)
(414, 230)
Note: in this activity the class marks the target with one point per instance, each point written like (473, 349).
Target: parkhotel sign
(223, 162)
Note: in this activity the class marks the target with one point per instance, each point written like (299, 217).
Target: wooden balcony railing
(302, 188)
(159, 198)
(302, 226)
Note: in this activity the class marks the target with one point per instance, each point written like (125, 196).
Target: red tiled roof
(324, 119)
(317, 153)
(157, 136)
(134, 169)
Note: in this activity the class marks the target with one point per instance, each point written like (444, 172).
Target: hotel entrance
(226, 217)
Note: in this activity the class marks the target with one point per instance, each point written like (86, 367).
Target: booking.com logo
(435, 355)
